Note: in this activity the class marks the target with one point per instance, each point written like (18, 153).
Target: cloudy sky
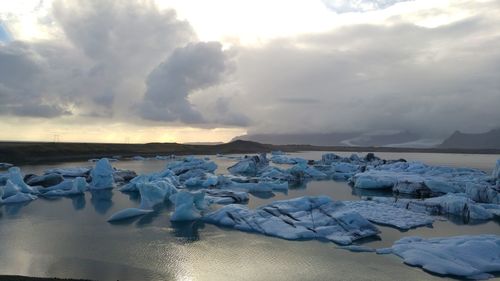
(185, 70)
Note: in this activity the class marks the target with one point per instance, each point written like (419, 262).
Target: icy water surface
(69, 237)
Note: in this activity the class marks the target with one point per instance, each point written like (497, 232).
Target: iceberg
(250, 165)
(70, 187)
(496, 171)
(128, 213)
(18, 198)
(5, 165)
(191, 163)
(165, 175)
(187, 205)
(10, 189)
(450, 204)
(372, 180)
(299, 218)
(283, 159)
(45, 180)
(386, 214)
(469, 256)
(302, 171)
(70, 172)
(483, 193)
(17, 179)
(218, 196)
(102, 175)
(154, 193)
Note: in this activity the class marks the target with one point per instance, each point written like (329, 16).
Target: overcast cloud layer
(128, 61)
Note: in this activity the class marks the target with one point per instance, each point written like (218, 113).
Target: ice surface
(191, 163)
(299, 218)
(187, 205)
(102, 175)
(464, 256)
(302, 171)
(45, 180)
(128, 213)
(165, 175)
(483, 193)
(66, 188)
(386, 214)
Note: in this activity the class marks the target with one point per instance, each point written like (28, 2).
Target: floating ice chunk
(299, 218)
(187, 205)
(483, 193)
(10, 189)
(303, 171)
(123, 176)
(450, 204)
(466, 256)
(16, 178)
(283, 159)
(191, 163)
(329, 158)
(154, 193)
(357, 248)
(102, 175)
(19, 198)
(375, 180)
(70, 172)
(276, 173)
(67, 187)
(250, 165)
(45, 180)
(128, 213)
(343, 167)
(386, 214)
(225, 196)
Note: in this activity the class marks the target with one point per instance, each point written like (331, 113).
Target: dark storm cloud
(372, 77)
(191, 68)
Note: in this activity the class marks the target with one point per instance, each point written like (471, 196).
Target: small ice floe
(128, 213)
(155, 192)
(299, 218)
(14, 175)
(102, 175)
(283, 159)
(469, 256)
(165, 175)
(12, 193)
(386, 214)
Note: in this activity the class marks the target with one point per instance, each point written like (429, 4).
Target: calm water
(69, 237)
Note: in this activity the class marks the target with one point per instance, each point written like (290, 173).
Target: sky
(198, 71)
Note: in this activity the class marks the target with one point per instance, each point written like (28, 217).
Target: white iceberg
(386, 214)
(299, 218)
(128, 213)
(102, 175)
(466, 256)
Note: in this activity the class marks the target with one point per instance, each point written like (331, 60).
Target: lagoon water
(69, 237)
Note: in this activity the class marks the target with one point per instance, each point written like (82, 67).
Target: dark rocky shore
(36, 152)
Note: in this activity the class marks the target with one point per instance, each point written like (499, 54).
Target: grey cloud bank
(127, 61)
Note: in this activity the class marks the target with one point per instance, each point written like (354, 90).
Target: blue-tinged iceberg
(468, 256)
(250, 165)
(102, 175)
(188, 205)
(299, 218)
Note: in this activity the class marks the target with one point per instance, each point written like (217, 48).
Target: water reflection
(78, 201)
(101, 200)
(14, 208)
(187, 230)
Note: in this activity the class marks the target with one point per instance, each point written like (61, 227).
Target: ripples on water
(69, 237)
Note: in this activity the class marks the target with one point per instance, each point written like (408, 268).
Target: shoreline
(36, 152)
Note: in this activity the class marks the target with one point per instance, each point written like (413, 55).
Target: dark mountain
(333, 139)
(488, 140)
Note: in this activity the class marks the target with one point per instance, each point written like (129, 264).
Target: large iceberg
(191, 163)
(11, 193)
(299, 218)
(463, 256)
(102, 175)
(154, 193)
(66, 188)
(16, 178)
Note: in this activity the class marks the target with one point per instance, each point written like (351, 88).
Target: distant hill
(333, 139)
(488, 140)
